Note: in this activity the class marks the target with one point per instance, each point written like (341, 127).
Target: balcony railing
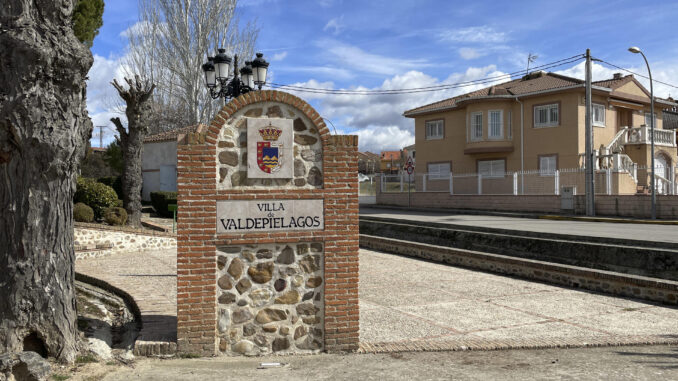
(642, 135)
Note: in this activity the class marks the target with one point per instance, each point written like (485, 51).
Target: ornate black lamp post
(217, 73)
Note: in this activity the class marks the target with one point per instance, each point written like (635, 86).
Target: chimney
(617, 76)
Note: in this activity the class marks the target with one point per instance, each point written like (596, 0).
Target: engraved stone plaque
(269, 215)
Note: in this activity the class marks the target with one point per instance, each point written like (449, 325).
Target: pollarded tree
(44, 128)
(138, 112)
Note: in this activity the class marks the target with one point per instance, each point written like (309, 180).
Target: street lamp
(635, 49)
(217, 73)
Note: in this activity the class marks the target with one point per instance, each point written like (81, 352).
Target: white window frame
(647, 119)
(497, 168)
(598, 122)
(435, 171)
(437, 126)
(548, 171)
(474, 136)
(549, 122)
(490, 136)
(509, 127)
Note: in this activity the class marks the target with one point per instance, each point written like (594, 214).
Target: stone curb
(141, 347)
(608, 282)
(124, 229)
(479, 344)
(525, 215)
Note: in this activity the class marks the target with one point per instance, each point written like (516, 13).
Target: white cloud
(335, 25)
(470, 53)
(600, 72)
(378, 119)
(102, 98)
(388, 138)
(279, 56)
(475, 34)
(360, 60)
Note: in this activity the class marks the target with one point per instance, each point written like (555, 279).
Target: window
(598, 114)
(434, 129)
(495, 128)
(492, 168)
(439, 171)
(476, 126)
(548, 165)
(546, 115)
(648, 117)
(510, 125)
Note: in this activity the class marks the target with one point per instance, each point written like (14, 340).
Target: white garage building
(159, 161)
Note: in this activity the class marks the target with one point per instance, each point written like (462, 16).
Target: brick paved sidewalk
(150, 277)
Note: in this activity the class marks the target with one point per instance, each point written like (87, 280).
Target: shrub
(114, 182)
(115, 216)
(95, 195)
(160, 200)
(118, 203)
(82, 213)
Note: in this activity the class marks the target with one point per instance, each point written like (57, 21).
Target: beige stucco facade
(521, 143)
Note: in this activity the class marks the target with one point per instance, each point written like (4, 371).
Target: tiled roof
(390, 155)
(534, 82)
(172, 134)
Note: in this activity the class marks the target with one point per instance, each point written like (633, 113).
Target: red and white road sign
(409, 165)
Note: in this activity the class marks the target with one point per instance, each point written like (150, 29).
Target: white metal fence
(630, 180)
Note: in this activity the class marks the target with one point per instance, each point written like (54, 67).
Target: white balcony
(643, 135)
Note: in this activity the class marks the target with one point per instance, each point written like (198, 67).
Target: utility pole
(530, 58)
(101, 136)
(590, 186)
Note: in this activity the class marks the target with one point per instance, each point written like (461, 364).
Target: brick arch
(260, 96)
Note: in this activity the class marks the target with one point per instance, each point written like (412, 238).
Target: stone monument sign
(267, 258)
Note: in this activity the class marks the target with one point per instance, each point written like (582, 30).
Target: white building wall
(159, 158)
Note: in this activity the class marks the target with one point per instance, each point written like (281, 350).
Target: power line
(634, 73)
(485, 80)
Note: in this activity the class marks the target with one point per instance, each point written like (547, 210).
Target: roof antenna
(530, 58)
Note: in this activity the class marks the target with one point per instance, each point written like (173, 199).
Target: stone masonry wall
(332, 323)
(270, 298)
(94, 242)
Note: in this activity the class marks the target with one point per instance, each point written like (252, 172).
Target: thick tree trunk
(44, 128)
(138, 112)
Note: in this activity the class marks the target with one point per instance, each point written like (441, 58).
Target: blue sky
(401, 44)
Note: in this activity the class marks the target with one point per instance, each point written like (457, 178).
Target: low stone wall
(93, 240)
(635, 206)
(270, 298)
(656, 290)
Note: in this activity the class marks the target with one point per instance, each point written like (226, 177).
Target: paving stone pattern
(150, 277)
(440, 307)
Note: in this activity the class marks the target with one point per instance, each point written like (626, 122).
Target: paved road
(647, 232)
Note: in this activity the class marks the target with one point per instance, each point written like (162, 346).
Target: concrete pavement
(647, 232)
(410, 304)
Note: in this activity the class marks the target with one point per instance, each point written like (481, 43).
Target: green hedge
(115, 216)
(160, 200)
(83, 213)
(114, 182)
(96, 195)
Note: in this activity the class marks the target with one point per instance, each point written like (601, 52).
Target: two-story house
(537, 123)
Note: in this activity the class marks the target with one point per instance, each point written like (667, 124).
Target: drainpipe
(522, 149)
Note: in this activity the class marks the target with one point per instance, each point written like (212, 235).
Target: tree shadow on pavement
(663, 360)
